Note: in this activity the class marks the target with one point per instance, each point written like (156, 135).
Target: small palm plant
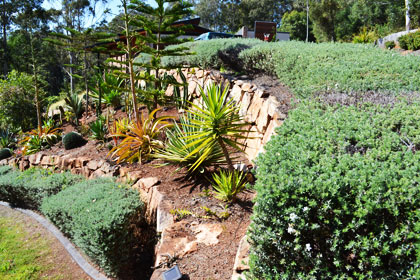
(177, 148)
(98, 129)
(228, 184)
(216, 123)
(75, 104)
(141, 140)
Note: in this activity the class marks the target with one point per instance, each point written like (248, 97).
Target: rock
(92, 165)
(200, 73)
(124, 171)
(86, 171)
(263, 117)
(254, 110)
(246, 87)
(134, 176)
(253, 143)
(192, 85)
(170, 90)
(32, 159)
(3, 162)
(81, 162)
(239, 82)
(241, 259)
(246, 101)
(38, 158)
(273, 105)
(147, 183)
(46, 161)
(236, 94)
(269, 132)
(207, 233)
(24, 164)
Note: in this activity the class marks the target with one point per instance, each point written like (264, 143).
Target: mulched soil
(59, 261)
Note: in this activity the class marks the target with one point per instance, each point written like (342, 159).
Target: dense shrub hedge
(99, 216)
(313, 68)
(29, 188)
(411, 41)
(339, 195)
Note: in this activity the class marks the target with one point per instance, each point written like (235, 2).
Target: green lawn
(22, 255)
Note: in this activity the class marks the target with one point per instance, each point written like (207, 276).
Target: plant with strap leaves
(220, 126)
(141, 140)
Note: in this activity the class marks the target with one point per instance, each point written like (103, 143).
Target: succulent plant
(5, 153)
(73, 140)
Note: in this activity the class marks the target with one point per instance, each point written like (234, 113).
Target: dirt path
(60, 263)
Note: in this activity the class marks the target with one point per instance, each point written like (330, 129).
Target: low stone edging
(70, 248)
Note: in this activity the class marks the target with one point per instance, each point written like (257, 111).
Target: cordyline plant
(141, 139)
(217, 123)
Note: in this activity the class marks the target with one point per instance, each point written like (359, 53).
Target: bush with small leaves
(390, 45)
(101, 217)
(338, 195)
(29, 188)
(73, 140)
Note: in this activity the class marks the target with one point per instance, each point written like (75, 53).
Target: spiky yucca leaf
(227, 184)
(177, 147)
(141, 140)
(220, 123)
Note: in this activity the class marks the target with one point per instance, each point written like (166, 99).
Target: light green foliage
(5, 153)
(100, 217)
(213, 53)
(177, 147)
(338, 195)
(73, 140)
(365, 36)
(98, 129)
(227, 184)
(410, 41)
(334, 67)
(28, 189)
(75, 105)
(318, 68)
(216, 123)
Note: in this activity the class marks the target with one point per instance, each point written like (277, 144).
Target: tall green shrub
(338, 195)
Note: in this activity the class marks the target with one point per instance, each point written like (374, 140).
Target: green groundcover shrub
(29, 188)
(309, 68)
(99, 216)
(339, 195)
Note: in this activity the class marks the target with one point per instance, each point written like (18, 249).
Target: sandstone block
(246, 87)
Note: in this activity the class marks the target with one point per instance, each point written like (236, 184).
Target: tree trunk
(5, 50)
(407, 15)
(37, 101)
(130, 63)
(226, 154)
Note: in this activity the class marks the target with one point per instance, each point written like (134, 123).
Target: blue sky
(112, 4)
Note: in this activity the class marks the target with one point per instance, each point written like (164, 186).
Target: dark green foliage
(98, 215)
(73, 140)
(98, 129)
(390, 45)
(317, 68)
(294, 22)
(7, 139)
(410, 41)
(28, 189)
(75, 104)
(5, 153)
(338, 195)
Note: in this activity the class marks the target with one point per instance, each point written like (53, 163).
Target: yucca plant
(177, 148)
(228, 184)
(75, 104)
(141, 140)
(98, 129)
(216, 123)
(7, 140)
